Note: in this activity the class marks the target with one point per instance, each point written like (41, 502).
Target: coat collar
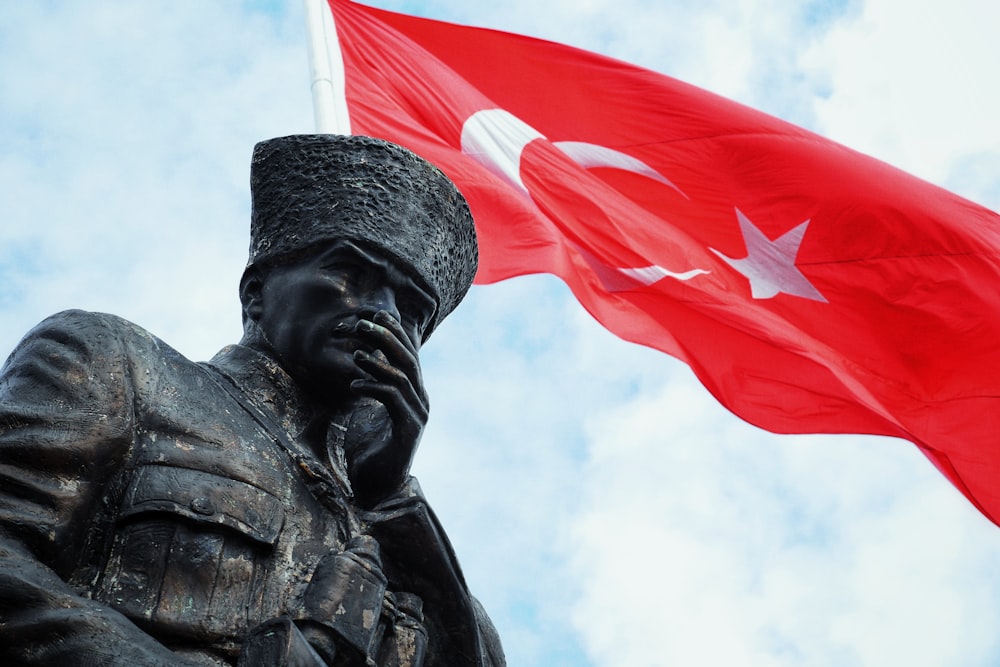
(270, 388)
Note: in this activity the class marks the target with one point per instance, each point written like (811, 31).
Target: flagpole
(326, 69)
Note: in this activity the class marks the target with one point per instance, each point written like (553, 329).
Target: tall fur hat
(315, 188)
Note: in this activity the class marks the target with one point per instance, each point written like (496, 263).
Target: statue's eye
(416, 318)
(416, 308)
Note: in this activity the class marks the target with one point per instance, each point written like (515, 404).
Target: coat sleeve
(418, 558)
(66, 430)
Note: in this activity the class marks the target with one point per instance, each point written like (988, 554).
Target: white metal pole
(326, 66)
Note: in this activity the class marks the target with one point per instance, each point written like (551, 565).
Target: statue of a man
(256, 509)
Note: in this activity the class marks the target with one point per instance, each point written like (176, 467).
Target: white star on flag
(770, 265)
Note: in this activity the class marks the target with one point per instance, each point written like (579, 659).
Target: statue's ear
(252, 294)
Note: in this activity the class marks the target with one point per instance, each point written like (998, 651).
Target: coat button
(202, 506)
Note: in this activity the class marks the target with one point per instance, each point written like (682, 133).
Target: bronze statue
(255, 509)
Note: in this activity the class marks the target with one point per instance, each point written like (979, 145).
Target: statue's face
(310, 310)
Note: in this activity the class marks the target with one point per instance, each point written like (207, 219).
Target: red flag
(811, 288)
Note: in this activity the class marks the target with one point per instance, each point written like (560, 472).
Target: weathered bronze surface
(256, 509)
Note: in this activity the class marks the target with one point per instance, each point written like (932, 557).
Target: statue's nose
(381, 298)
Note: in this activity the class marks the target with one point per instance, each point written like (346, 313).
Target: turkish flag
(810, 288)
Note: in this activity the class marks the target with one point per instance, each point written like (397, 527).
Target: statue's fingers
(394, 345)
(387, 376)
(405, 407)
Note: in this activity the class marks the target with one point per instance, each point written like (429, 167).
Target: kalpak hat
(311, 189)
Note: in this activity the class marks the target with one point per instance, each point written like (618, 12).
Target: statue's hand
(379, 468)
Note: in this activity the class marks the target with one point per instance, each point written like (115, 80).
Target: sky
(606, 510)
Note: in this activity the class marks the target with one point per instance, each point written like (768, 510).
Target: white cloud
(130, 129)
(914, 83)
(706, 542)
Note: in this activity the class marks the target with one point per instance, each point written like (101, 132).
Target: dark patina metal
(256, 509)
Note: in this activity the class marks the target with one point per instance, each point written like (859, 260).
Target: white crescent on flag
(497, 138)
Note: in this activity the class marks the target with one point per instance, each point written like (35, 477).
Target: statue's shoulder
(83, 334)
(81, 321)
(85, 322)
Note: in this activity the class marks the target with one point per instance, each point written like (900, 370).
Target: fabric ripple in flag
(809, 287)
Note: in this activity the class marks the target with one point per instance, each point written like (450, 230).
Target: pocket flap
(206, 498)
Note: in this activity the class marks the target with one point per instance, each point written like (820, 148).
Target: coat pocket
(205, 498)
(188, 548)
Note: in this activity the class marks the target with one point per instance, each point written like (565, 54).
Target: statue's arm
(413, 540)
(66, 424)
